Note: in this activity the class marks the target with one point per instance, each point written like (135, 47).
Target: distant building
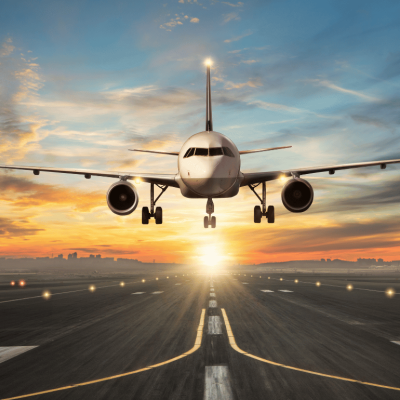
(98, 256)
(60, 256)
(91, 256)
(73, 256)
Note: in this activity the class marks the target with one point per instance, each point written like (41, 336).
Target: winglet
(209, 123)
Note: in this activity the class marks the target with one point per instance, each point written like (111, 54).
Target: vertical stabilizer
(209, 123)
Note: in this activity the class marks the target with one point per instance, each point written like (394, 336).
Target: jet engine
(122, 198)
(297, 195)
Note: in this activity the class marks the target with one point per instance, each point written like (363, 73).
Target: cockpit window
(228, 152)
(213, 151)
(216, 151)
(189, 153)
(201, 152)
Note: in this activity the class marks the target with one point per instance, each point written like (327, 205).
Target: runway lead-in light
(92, 288)
(318, 284)
(143, 280)
(156, 279)
(281, 279)
(349, 287)
(12, 283)
(22, 283)
(296, 281)
(122, 284)
(390, 292)
(46, 295)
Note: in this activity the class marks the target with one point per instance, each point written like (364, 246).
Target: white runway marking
(267, 291)
(177, 284)
(212, 294)
(6, 353)
(217, 385)
(245, 283)
(214, 325)
(212, 304)
(211, 290)
(157, 292)
(138, 293)
(395, 342)
(286, 291)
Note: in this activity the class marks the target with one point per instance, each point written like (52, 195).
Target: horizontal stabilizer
(170, 153)
(260, 150)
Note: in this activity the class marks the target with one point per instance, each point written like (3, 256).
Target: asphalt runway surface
(201, 337)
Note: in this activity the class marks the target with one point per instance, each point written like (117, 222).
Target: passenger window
(216, 151)
(187, 153)
(228, 152)
(201, 152)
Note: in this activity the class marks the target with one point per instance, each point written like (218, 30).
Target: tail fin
(209, 123)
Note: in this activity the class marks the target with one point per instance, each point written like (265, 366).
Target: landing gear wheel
(257, 214)
(158, 215)
(205, 222)
(145, 215)
(271, 214)
(213, 222)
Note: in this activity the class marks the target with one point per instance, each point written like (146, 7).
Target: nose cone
(211, 177)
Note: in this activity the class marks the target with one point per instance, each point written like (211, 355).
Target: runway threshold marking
(233, 344)
(214, 325)
(267, 291)
(286, 291)
(212, 294)
(157, 292)
(139, 293)
(196, 346)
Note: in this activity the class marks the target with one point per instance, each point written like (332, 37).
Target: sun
(211, 257)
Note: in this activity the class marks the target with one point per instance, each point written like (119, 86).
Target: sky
(81, 82)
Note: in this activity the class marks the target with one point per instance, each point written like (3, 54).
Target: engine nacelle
(297, 195)
(122, 198)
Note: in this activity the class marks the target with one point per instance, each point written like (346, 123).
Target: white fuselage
(209, 166)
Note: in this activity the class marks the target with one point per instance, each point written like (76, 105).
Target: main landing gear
(258, 213)
(157, 215)
(210, 210)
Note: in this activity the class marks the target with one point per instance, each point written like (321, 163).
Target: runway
(202, 337)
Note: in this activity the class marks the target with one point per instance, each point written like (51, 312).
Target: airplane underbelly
(209, 187)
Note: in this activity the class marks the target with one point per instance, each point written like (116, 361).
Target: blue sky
(82, 82)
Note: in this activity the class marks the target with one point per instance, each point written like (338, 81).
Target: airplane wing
(170, 153)
(161, 179)
(258, 177)
(260, 150)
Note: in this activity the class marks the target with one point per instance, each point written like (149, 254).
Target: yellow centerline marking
(196, 346)
(233, 344)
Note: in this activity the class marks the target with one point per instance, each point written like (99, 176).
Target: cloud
(15, 228)
(239, 4)
(171, 24)
(331, 85)
(275, 107)
(181, 1)
(249, 61)
(236, 38)
(7, 48)
(233, 16)
(250, 83)
(23, 193)
(194, 20)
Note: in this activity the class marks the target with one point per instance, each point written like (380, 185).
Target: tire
(271, 214)
(205, 222)
(213, 222)
(158, 215)
(145, 215)
(257, 214)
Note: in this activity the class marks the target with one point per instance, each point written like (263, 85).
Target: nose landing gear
(158, 214)
(210, 210)
(264, 212)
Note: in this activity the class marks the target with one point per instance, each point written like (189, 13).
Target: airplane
(209, 168)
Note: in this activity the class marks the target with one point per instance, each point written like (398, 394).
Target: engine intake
(122, 198)
(297, 195)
